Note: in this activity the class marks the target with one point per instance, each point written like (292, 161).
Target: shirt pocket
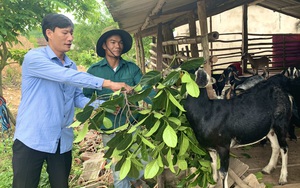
(128, 80)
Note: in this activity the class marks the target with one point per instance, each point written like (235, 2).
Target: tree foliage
(22, 16)
(159, 133)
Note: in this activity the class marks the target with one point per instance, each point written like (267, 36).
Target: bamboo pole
(201, 7)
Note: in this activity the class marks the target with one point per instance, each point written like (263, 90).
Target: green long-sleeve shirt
(127, 72)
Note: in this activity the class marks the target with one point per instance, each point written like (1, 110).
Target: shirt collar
(68, 62)
(105, 63)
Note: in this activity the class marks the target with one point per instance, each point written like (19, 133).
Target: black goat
(291, 72)
(260, 111)
(294, 74)
(223, 79)
(240, 84)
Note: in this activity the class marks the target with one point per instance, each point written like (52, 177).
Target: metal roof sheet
(142, 16)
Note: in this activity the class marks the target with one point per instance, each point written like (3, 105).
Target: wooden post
(210, 30)
(168, 35)
(140, 53)
(245, 37)
(187, 51)
(159, 48)
(201, 7)
(193, 34)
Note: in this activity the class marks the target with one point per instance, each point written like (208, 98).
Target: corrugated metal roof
(143, 15)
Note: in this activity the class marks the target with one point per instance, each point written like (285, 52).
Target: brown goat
(258, 63)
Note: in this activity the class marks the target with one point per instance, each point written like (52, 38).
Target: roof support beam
(155, 11)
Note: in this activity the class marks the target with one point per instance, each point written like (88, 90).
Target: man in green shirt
(111, 45)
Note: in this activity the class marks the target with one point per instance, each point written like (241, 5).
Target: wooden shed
(158, 18)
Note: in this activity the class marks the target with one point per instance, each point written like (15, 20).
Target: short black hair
(53, 20)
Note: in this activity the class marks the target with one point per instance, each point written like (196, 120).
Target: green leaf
(85, 114)
(147, 142)
(82, 133)
(151, 169)
(186, 78)
(151, 78)
(175, 102)
(114, 142)
(144, 112)
(192, 89)
(140, 96)
(170, 137)
(134, 170)
(116, 101)
(153, 129)
(175, 120)
(259, 175)
(138, 88)
(109, 153)
(171, 79)
(75, 124)
(205, 163)
(158, 115)
(158, 94)
(192, 64)
(160, 86)
(184, 145)
(196, 149)
(97, 120)
(125, 168)
(170, 161)
(160, 162)
(182, 164)
(125, 142)
(133, 128)
(93, 98)
(122, 128)
(107, 123)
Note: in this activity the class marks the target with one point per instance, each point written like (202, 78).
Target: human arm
(115, 86)
(44, 64)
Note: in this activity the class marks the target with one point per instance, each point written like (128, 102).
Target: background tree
(23, 16)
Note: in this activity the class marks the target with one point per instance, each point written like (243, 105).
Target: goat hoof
(265, 171)
(282, 182)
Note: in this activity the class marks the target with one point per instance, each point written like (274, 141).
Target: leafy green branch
(155, 136)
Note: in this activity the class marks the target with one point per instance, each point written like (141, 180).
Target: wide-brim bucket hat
(109, 31)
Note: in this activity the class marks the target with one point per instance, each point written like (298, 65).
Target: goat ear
(221, 78)
(236, 77)
(212, 80)
(297, 73)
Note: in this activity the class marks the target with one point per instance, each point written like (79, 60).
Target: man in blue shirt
(111, 45)
(51, 89)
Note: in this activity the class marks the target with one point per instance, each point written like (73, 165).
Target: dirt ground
(257, 157)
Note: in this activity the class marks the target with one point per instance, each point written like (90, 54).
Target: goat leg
(275, 153)
(283, 172)
(214, 164)
(224, 160)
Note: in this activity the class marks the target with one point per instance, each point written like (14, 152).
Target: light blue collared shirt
(50, 92)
